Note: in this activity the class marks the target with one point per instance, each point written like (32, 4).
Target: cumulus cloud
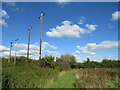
(34, 46)
(51, 52)
(46, 45)
(3, 48)
(105, 45)
(34, 49)
(116, 15)
(7, 53)
(70, 30)
(101, 46)
(77, 52)
(88, 52)
(3, 16)
(3, 22)
(25, 46)
(91, 27)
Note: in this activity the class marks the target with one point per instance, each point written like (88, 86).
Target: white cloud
(24, 52)
(82, 20)
(7, 53)
(25, 46)
(116, 15)
(105, 45)
(101, 46)
(3, 22)
(4, 14)
(3, 48)
(88, 52)
(91, 27)
(51, 52)
(34, 46)
(77, 52)
(81, 48)
(46, 45)
(34, 50)
(70, 30)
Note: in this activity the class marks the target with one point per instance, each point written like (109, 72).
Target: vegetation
(60, 73)
(97, 78)
(66, 80)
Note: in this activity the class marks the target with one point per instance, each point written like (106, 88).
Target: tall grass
(97, 78)
(27, 77)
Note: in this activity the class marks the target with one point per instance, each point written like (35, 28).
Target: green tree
(88, 60)
(68, 58)
(48, 61)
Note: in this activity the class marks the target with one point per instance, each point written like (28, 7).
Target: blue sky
(82, 29)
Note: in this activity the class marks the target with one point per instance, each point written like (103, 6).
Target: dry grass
(96, 78)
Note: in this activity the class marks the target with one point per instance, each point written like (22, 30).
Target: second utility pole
(29, 29)
(15, 52)
(41, 17)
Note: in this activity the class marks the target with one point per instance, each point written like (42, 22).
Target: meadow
(59, 74)
(97, 78)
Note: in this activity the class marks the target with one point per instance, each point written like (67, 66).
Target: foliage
(88, 60)
(48, 61)
(97, 78)
(62, 66)
(27, 76)
(68, 58)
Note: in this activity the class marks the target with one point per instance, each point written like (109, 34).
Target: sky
(82, 29)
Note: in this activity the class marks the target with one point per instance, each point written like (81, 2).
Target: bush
(62, 66)
(68, 58)
(27, 77)
(48, 61)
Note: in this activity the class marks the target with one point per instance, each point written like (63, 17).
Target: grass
(65, 81)
(97, 78)
(27, 77)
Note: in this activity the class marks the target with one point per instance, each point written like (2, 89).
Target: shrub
(27, 77)
(62, 66)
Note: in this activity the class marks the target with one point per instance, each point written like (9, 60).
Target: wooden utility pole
(10, 52)
(29, 29)
(15, 52)
(40, 52)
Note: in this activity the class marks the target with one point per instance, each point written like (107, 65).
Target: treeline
(64, 62)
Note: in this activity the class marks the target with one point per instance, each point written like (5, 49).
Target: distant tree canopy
(64, 62)
(68, 58)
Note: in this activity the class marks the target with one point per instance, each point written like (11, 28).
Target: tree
(48, 61)
(68, 58)
(88, 60)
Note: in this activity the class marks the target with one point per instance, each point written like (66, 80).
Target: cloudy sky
(81, 29)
